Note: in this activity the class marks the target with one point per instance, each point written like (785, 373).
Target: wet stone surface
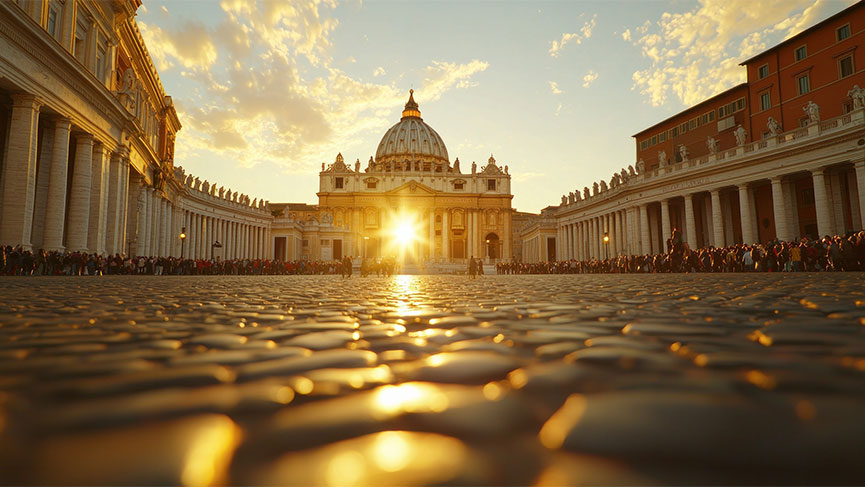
(419, 380)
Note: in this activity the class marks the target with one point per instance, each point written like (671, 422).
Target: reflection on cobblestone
(543, 380)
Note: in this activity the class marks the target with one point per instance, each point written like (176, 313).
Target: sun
(404, 233)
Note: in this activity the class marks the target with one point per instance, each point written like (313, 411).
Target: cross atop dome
(411, 107)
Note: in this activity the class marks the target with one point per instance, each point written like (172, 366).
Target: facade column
(665, 222)
(782, 229)
(140, 220)
(644, 230)
(96, 227)
(55, 209)
(166, 228)
(745, 213)
(148, 221)
(446, 251)
(821, 202)
(43, 174)
(614, 248)
(718, 218)
(507, 251)
(859, 167)
(112, 217)
(123, 217)
(690, 222)
(432, 233)
(19, 173)
(79, 198)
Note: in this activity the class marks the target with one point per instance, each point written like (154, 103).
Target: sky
(268, 90)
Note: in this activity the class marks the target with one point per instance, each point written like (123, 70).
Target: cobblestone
(415, 380)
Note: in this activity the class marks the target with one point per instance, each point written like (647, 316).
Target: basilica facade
(408, 201)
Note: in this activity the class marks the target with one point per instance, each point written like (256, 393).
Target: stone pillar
(140, 221)
(96, 227)
(821, 202)
(644, 230)
(166, 228)
(79, 199)
(507, 252)
(432, 233)
(55, 209)
(860, 188)
(782, 230)
(665, 222)
(836, 200)
(691, 221)
(718, 218)
(446, 250)
(746, 214)
(154, 223)
(19, 172)
(123, 217)
(43, 175)
(113, 217)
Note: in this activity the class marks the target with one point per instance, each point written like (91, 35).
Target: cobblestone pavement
(545, 380)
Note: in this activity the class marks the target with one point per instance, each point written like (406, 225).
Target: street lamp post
(606, 244)
(182, 241)
(489, 257)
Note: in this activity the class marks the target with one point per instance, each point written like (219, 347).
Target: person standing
(473, 267)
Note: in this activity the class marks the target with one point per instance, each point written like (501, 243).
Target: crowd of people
(15, 261)
(838, 253)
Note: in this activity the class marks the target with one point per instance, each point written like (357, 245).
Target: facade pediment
(412, 188)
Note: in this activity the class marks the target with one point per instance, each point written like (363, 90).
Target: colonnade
(720, 216)
(237, 239)
(45, 155)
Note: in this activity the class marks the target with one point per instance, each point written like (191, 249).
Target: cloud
(190, 45)
(696, 54)
(525, 176)
(442, 76)
(627, 35)
(555, 88)
(578, 38)
(272, 94)
(589, 78)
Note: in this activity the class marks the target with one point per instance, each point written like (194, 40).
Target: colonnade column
(859, 166)
(665, 221)
(821, 202)
(644, 230)
(446, 254)
(122, 235)
(718, 218)
(140, 213)
(782, 229)
(690, 222)
(19, 173)
(79, 198)
(113, 214)
(745, 214)
(98, 199)
(432, 233)
(55, 209)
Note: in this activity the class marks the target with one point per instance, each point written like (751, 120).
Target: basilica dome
(411, 139)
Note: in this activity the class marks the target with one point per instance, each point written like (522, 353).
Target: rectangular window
(692, 124)
(683, 128)
(804, 84)
(337, 183)
(662, 136)
(79, 49)
(654, 140)
(51, 27)
(740, 104)
(845, 66)
(674, 132)
(325, 243)
(765, 101)
(460, 185)
(491, 184)
(101, 57)
(763, 71)
(847, 107)
(801, 53)
(843, 32)
(644, 144)
(371, 185)
(304, 243)
(712, 116)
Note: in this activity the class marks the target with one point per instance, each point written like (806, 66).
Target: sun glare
(404, 233)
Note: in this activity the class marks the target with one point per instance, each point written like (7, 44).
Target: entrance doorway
(279, 248)
(337, 250)
(492, 242)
